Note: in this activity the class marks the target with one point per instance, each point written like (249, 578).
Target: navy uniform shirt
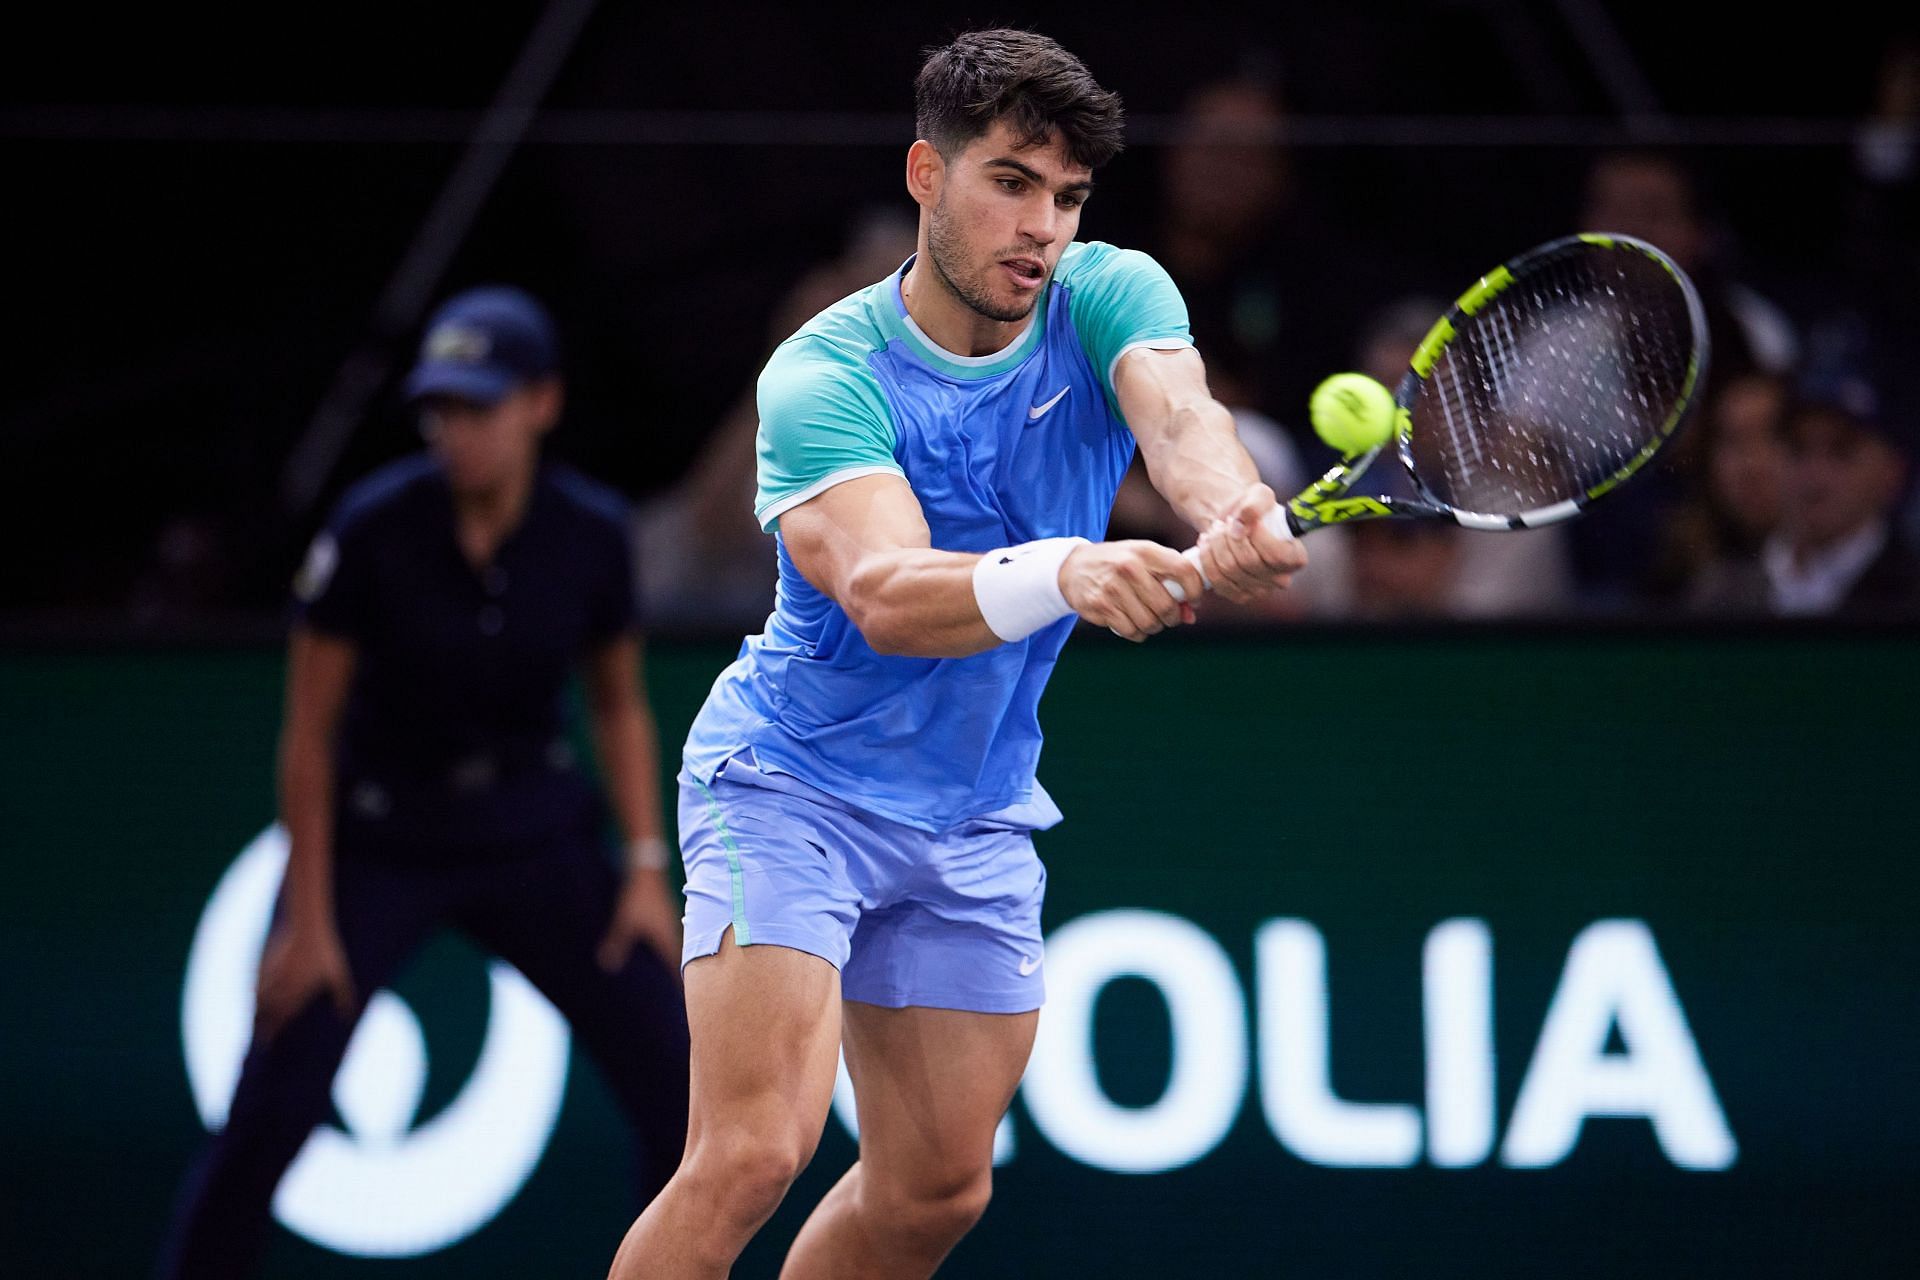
(454, 746)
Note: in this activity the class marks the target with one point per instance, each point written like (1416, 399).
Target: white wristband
(648, 853)
(1018, 588)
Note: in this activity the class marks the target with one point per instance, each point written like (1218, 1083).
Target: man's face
(1002, 218)
(1648, 199)
(1842, 478)
(1747, 464)
(485, 448)
(1227, 173)
(1403, 569)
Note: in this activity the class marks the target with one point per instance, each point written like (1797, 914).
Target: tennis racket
(1551, 382)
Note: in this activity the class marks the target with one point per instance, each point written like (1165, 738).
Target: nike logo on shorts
(1034, 414)
(1029, 963)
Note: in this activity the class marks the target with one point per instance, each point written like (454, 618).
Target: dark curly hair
(1020, 77)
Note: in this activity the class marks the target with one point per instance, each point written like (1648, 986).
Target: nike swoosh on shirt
(1034, 414)
(1029, 963)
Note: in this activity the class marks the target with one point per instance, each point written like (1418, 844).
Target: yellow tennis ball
(1351, 412)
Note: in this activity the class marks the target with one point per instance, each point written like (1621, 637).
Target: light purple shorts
(948, 921)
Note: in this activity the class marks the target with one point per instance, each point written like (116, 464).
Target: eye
(1072, 200)
(1010, 184)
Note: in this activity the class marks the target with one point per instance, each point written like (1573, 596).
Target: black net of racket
(1557, 384)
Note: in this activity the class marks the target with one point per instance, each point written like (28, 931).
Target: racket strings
(1555, 385)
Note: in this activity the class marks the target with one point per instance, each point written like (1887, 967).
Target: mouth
(1026, 273)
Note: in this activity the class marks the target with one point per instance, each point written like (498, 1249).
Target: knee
(743, 1176)
(937, 1214)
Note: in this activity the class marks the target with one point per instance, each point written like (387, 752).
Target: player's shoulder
(584, 497)
(827, 363)
(386, 494)
(835, 345)
(1095, 262)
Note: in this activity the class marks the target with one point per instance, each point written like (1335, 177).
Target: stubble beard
(948, 252)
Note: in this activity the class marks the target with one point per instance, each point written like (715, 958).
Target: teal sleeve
(1122, 298)
(823, 419)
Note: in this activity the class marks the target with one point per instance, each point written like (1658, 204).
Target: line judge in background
(426, 778)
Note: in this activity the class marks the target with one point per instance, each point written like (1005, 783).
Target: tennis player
(938, 456)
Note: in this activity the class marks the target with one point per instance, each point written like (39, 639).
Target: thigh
(382, 915)
(765, 1024)
(546, 916)
(931, 1086)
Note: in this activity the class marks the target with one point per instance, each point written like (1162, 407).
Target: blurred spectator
(187, 577)
(1653, 197)
(1618, 556)
(1882, 249)
(1489, 575)
(1887, 149)
(705, 562)
(1406, 570)
(1835, 552)
(1715, 544)
(1273, 296)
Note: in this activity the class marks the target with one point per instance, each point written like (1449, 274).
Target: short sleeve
(333, 590)
(614, 608)
(1121, 300)
(823, 421)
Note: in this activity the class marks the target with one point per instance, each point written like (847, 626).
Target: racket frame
(1327, 502)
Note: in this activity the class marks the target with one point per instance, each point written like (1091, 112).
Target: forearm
(1197, 462)
(629, 751)
(917, 602)
(306, 811)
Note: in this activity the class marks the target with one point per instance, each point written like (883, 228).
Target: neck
(485, 518)
(950, 322)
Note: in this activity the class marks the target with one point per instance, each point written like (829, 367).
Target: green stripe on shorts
(741, 936)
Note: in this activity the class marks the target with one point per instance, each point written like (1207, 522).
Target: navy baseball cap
(1847, 371)
(482, 344)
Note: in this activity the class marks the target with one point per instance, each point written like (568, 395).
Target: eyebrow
(1033, 175)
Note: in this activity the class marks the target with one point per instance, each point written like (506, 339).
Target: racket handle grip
(1277, 524)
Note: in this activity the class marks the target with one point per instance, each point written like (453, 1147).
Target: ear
(926, 171)
(550, 397)
(1890, 473)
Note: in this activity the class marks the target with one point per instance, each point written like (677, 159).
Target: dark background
(205, 204)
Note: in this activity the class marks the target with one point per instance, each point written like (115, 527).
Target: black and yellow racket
(1550, 383)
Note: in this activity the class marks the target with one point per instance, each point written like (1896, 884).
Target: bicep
(320, 670)
(829, 535)
(1154, 386)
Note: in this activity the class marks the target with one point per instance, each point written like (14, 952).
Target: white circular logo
(382, 1188)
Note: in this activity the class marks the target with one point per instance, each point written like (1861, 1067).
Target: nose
(1040, 221)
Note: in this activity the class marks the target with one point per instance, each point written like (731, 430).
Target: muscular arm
(865, 544)
(1196, 461)
(1187, 440)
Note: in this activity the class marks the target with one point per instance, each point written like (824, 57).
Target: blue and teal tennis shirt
(1000, 449)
